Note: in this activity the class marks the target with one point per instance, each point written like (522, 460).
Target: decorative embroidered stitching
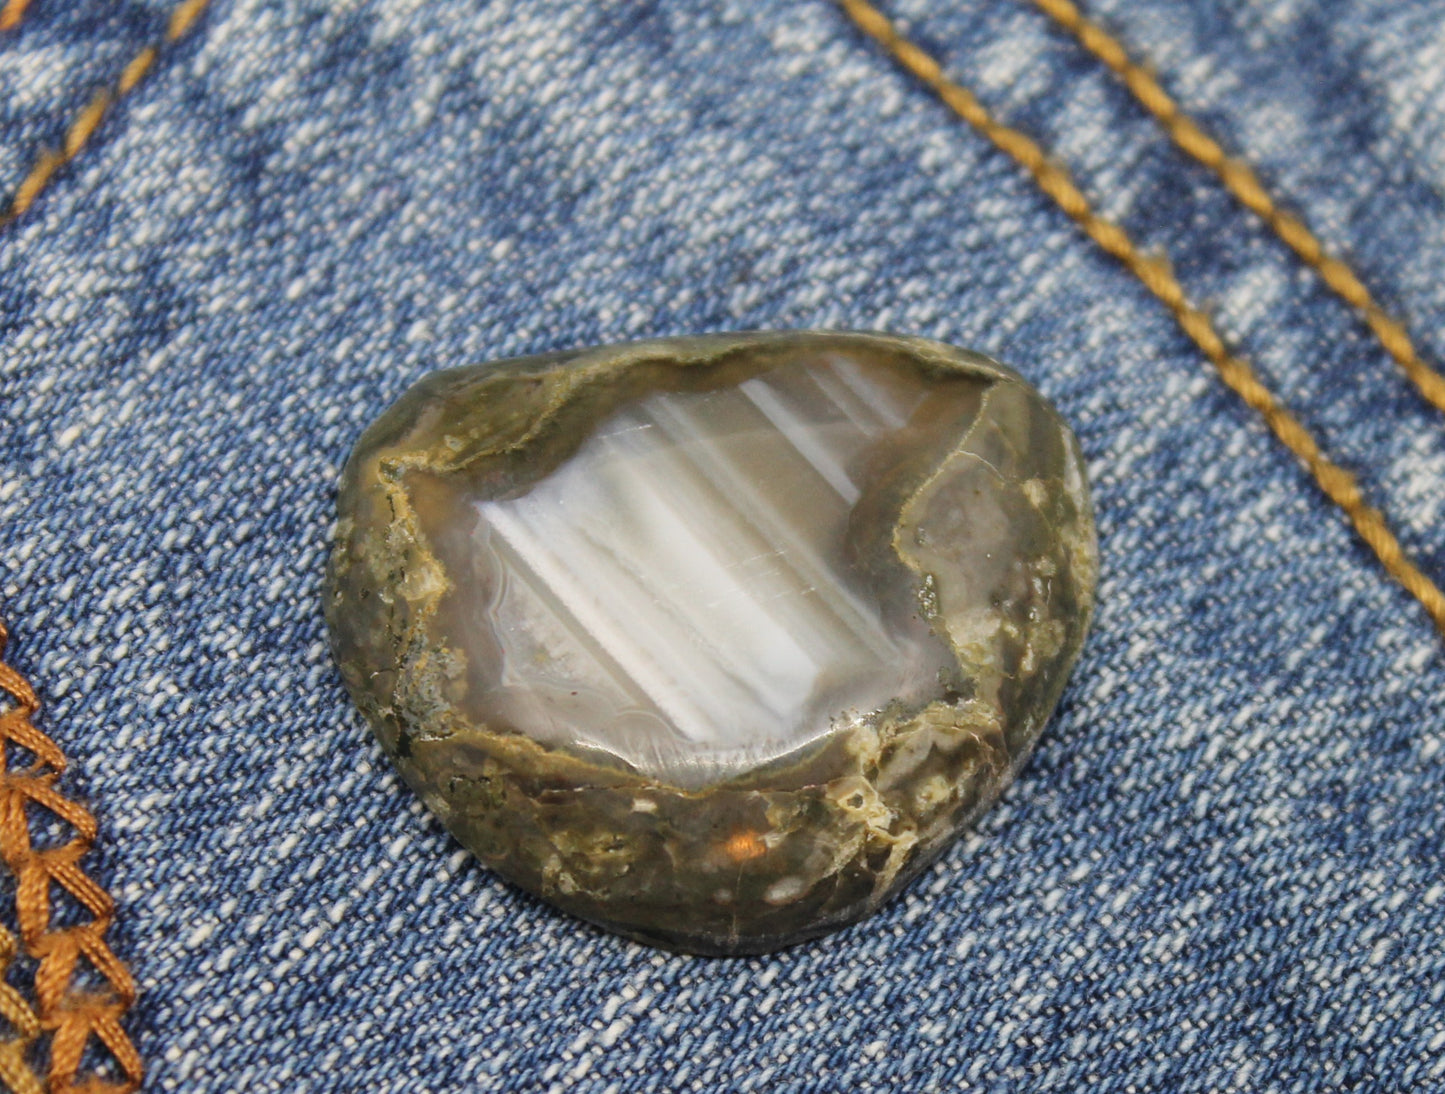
(183, 17)
(1158, 277)
(1239, 179)
(12, 13)
(71, 1013)
(15, 1070)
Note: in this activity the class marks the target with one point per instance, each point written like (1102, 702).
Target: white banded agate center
(683, 593)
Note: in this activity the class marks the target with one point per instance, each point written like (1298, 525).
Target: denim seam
(1157, 275)
(74, 1019)
(12, 13)
(1241, 180)
(74, 1013)
(82, 127)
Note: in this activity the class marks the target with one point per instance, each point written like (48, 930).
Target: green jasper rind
(793, 848)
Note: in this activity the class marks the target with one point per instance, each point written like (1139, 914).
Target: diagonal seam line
(1240, 179)
(1157, 276)
(82, 127)
(12, 13)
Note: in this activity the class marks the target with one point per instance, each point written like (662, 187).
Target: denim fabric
(1223, 869)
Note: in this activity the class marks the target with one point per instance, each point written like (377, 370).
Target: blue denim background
(1223, 869)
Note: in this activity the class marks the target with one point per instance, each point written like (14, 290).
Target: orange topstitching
(12, 13)
(1239, 179)
(24, 1027)
(83, 126)
(71, 1014)
(1155, 272)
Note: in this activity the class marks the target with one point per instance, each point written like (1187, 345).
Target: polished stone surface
(713, 641)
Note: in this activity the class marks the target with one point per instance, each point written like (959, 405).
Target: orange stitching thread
(12, 13)
(71, 1014)
(83, 126)
(15, 1071)
(1241, 181)
(1157, 276)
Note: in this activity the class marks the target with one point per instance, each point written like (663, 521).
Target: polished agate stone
(715, 641)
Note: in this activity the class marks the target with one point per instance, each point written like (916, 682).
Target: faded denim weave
(1222, 871)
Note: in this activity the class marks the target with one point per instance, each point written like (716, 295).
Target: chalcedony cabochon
(713, 641)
